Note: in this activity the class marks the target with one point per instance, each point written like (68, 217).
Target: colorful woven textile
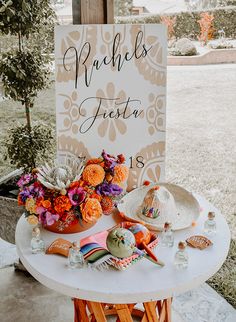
(97, 255)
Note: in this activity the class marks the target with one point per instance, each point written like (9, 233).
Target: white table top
(141, 282)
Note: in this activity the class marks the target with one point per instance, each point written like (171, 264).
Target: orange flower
(74, 184)
(20, 202)
(61, 204)
(46, 204)
(121, 173)
(96, 161)
(88, 190)
(91, 210)
(107, 205)
(96, 196)
(93, 174)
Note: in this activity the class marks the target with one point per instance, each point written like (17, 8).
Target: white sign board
(111, 94)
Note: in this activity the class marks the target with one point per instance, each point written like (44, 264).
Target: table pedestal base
(156, 311)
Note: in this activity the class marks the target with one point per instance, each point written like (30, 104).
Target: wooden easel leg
(80, 311)
(98, 311)
(76, 311)
(155, 311)
(150, 309)
(123, 313)
(168, 309)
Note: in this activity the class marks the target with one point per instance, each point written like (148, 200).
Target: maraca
(142, 237)
(121, 242)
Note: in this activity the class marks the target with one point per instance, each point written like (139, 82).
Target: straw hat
(181, 208)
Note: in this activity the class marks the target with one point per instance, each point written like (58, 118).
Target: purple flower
(24, 194)
(46, 217)
(36, 190)
(109, 189)
(76, 195)
(25, 179)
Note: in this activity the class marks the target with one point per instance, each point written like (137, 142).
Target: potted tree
(25, 70)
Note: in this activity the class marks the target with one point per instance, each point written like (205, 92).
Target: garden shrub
(187, 25)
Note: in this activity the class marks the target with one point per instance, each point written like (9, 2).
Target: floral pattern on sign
(111, 126)
(152, 66)
(73, 39)
(153, 156)
(155, 113)
(71, 113)
(68, 145)
(108, 38)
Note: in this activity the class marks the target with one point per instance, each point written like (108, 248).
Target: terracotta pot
(59, 227)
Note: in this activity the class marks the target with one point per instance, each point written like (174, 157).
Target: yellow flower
(32, 220)
(30, 205)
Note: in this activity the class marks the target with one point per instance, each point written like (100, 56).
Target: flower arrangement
(75, 193)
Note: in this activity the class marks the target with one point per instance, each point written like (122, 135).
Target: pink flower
(76, 195)
(46, 217)
(51, 218)
(25, 179)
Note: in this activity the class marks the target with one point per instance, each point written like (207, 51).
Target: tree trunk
(28, 120)
(28, 124)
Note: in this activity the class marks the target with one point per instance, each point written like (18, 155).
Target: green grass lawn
(44, 110)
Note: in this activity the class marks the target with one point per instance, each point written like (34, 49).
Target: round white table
(143, 282)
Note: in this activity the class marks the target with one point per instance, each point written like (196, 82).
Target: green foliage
(28, 16)
(28, 150)
(23, 75)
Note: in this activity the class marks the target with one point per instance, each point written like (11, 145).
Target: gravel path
(201, 133)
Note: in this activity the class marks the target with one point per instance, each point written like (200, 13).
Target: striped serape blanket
(97, 255)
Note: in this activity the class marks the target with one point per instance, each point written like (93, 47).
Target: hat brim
(188, 209)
